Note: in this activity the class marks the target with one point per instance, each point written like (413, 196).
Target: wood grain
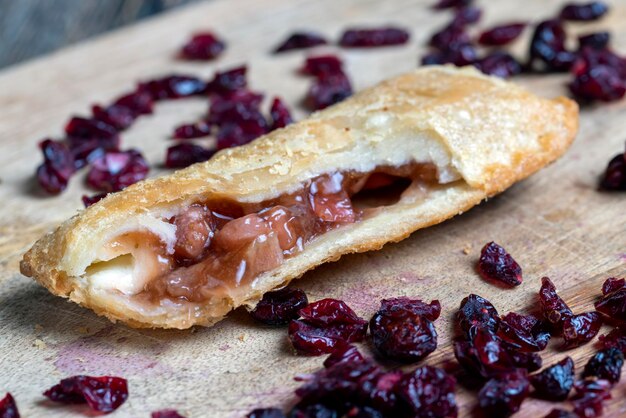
(555, 223)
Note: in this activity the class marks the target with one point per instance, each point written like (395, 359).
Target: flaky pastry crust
(482, 133)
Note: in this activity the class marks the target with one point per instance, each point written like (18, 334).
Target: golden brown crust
(488, 133)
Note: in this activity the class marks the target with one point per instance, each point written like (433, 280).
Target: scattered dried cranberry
(166, 413)
(467, 16)
(90, 200)
(548, 46)
(584, 12)
(192, 130)
(279, 114)
(501, 35)
(313, 411)
(343, 353)
(203, 46)
(325, 324)
(597, 40)
(427, 392)
(102, 394)
(502, 396)
(116, 170)
(120, 117)
(498, 265)
(229, 81)
(580, 329)
(184, 155)
(175, 86)
(449, 4)
(58, 166)
(524, 331)
(301, 40)
(606, 364)
(322, 64)
(450, 38)
(613, 303)
(368, 38)
(461, 55)
(477, 312)
(140, 102)
(266, 413)
(280, 307)
(555, 382)
(560, 413)
(327, 90)
(500, 64)
(531, 362)
(484, 355)
(588, 397)
(8, 407)
(554, 309)
(616, 338)
(613, 284)
(614, 178)
(402, 329)
(598, 83)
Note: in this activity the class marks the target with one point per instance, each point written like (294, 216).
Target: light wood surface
(556, 223)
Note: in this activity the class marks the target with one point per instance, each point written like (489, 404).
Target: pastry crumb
(40, 344)
(467, 249)
(243, 337)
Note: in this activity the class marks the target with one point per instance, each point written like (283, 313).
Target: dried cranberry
(116, 170)
(590, 58)
(613, 303)
(139, 102)
(102, 394)
(280, 307)
(280, 115)
(584, 12)
(229, 81)
(327, 90)
(119, 117)
(192, 130)
(554, 309)
(502, 396)
(460, 55)
(560, 413)
(343, 353)
(301, 40)
(313, 411)
(606, 364)
(368, 38)
(597, 40)
(524, 331)
(580, 329)
(599, 83)
(500, 64)
(183, 155)
(548, 46)
(484, 355)
(451, 37)
(613, 284)
(79, 127)
(266, 413)
(166, 413)
(57, 168)
(402, 329)
(174, 87)
(614, 178)
(477, 312)
(616, 338)
(8, 407)
(501, 35)
(427, 392)
(203, 46)
(325, 324)
(467, 16)
(496, 264)
(529, 361)
(588, 397)
(90, 200)
(449, 4)
(322, 64)
(555, 382)
(236, 134)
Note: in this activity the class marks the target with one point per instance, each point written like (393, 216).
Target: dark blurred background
(29, 28)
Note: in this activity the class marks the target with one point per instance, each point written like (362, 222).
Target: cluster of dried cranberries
(330, 85)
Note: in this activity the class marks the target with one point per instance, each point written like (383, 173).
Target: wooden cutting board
(556, 223)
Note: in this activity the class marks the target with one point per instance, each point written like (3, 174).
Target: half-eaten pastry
(413, 151)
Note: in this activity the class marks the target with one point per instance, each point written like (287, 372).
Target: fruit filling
(221, 245)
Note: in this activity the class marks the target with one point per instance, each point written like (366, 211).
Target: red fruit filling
(280, 306)
(614, 177)
(102, 394)
(502, 396)
(301, 40)
(606, 364)
(476, 312)
(116, 170)
(325, 324)
(501, 35)
(496, 264)
(524, 331)
(202, 46)
(328, 89)
(166, 413)
(547, 47)
(8, 407)
(613, 303)
(403, 330)
(369, 38)
(183, 155)
(322, 64)
(555, 382)
(500, 64)
(580, 329)
(90, 200)
(584, 12)
(279, 114)
(589, 395)
(192, 130)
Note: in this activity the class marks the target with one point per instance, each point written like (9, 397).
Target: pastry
(413, 151)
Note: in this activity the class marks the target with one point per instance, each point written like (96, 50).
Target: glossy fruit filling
(222, 245)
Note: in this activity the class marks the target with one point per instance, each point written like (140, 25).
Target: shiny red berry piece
(589, 396)
(596, 40)
(90, 200)
(58, 166)
(8, 407)
(102, 394)
(280, 306)
(555, 382)
(115, 171)
(501, 35)
(616, 338)
(322, 64)
(266, 413)
(561, 413)
(184, 155)
(614, 177)
(327, 90)
(500, 64)
(166, 413)
(580, 329)
(502, 396)
(279, 114)
(427, 392)
(449, 4)
(192, 130)
(554, 309)
(375, 37)
(301, 40)
(606, 364)
(477, 312)
(524, 332)
(584, 12)
(496, 264)
(203, 46)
